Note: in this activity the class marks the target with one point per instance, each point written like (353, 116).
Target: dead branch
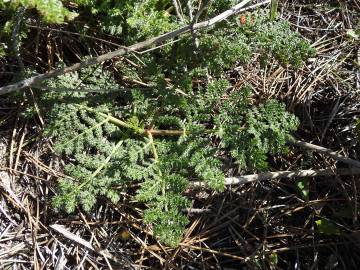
(124, 50)
(73, 237)
(240, 180)
(327, 152)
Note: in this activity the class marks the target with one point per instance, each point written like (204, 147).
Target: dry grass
(268, 225)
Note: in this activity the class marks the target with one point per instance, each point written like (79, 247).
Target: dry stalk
(124, 50)
(240, 180)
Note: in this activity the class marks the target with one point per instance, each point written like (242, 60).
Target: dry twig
(123, 51)
(327, 152)
(240, 180)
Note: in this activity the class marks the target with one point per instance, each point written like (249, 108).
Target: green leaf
(303, 187)
(326, 227)
(274, 258)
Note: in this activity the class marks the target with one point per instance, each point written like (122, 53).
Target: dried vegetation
(306, 223)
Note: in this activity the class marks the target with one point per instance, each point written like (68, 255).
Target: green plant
(13, 14)
(327, 227)
(111, 151)
(357, 128)
(52, 11)
(136, 19)
(179, 125)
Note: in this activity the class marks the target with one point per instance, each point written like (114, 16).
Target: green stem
(112, 119)
(143, 131)
(107, 159)
(98, 170)
(273, 9)
(87, 131)
(156, 156)
(120, 123)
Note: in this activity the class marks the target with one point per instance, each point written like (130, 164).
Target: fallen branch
(327, 152)
(77, 239)
(240, 180)
(124, 50)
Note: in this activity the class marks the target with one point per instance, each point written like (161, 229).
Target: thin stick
(73, 33)
(73, 237)
(327, 152)
(122, 51)
(177, 10)
(240, 180)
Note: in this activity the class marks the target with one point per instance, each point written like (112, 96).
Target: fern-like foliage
(52, 11)
(177, 130)
(276, 39)
(104, 155)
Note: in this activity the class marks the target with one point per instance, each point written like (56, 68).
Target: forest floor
(305, 223)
